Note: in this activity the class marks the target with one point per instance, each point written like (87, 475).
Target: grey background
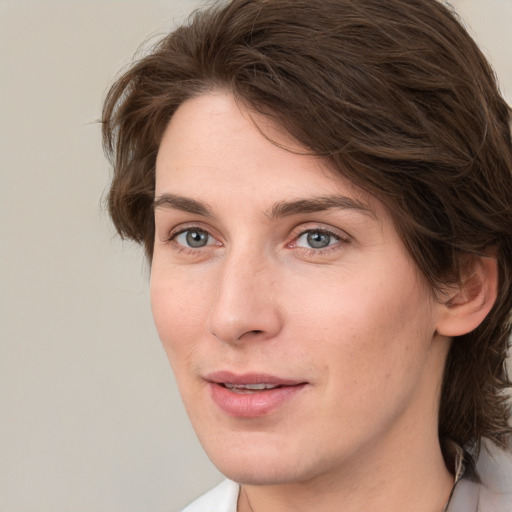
(90, 418)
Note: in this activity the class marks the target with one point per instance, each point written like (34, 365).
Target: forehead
(215, 143)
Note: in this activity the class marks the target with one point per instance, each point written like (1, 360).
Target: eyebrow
(185, 204)
(278, 210)
(318, 204)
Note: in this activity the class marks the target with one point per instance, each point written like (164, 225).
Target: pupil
(318, 240)
(197, 238)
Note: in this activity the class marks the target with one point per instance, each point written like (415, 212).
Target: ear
(466, 305)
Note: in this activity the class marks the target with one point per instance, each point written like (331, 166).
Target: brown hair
(397, 96)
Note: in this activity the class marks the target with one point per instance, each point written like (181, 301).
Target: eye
(316, 239)
(193, 238)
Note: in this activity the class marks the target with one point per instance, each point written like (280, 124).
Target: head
(397, 101)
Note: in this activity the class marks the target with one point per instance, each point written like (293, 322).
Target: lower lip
(252, 405)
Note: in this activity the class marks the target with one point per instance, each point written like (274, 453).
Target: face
(301, 335)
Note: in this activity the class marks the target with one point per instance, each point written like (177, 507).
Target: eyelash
(310, 252)
(183, 249)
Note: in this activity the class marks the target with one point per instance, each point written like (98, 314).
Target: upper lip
(223, 377)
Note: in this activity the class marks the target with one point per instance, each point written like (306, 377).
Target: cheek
(178, 318)
(371, 333)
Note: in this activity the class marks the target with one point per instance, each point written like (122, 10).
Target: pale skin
(266, 262)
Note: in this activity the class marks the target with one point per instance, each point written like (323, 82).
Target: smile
(249, 388)
(251, 395)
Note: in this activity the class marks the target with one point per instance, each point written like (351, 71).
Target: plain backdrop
(90, 418)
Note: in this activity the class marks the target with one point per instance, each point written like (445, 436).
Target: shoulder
(493, 491)
(494, 467)
(222, 498)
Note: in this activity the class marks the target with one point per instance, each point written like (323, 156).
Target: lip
(223, 377)
(251, 405)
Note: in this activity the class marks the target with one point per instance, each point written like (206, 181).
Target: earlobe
(467, 304)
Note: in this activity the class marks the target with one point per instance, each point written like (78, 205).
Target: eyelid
(213, 243)
(302, 229)
(331, 236)
(190, 226)
(342, 240)
(176, 233)
(208, 242)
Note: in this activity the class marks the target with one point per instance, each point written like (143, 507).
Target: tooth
(254, 387)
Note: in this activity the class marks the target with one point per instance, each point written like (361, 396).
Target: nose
(246, 303)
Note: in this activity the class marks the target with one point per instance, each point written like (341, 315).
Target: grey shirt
(491, 491)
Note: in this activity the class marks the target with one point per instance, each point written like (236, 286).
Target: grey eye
(197, 238)
(318, 240)
(194, 238)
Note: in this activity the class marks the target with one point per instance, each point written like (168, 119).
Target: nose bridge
(245, 301)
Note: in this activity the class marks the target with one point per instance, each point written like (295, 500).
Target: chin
(259, 473)
(255, 461)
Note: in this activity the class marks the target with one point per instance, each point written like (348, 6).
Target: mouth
(251, 395)
(250, 388)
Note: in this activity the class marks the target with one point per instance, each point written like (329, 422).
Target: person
(322, 188)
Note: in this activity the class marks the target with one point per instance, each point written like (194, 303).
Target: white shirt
(222, 498)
